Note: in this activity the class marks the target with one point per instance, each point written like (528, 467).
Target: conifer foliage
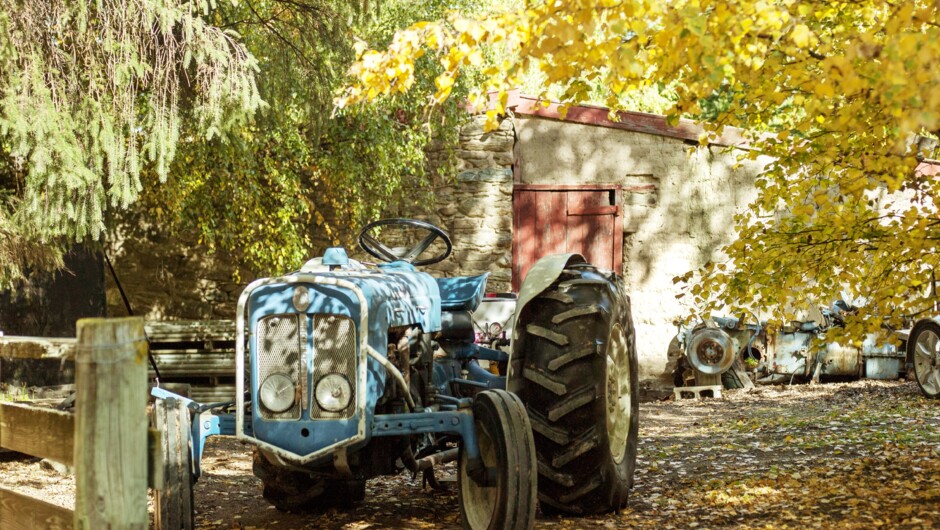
(91, 91)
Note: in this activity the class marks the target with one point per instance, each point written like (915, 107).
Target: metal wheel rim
(479, 503)
(619, 393)
(927, 361)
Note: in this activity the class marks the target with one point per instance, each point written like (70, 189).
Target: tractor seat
(462, 293)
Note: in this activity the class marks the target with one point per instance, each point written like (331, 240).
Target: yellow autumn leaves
(843, 88)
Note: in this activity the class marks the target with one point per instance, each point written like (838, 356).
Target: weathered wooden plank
(110, 424)
(42, 432)
(20, 512)
(173, 502)
(155, 461)
(12, 347)
(206, 364)
(212, 394)
(190, 330)
(593, 227)
(176, 349)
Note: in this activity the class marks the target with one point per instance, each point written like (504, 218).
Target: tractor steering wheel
(408, 254)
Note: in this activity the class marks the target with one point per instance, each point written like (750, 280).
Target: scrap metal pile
(735, 353)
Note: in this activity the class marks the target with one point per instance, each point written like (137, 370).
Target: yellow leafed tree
(844, 96)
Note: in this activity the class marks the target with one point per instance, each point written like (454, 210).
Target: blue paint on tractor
(373, 303)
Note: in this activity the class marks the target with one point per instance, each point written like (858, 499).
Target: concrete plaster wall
(678, 204)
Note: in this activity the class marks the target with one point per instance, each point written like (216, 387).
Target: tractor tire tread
(581, 491)
(568, 284)
(577, 312)
(557, 296)
(503, 416)
(552, 506)
(584, 443)
(542, 426)
(547, 334)
(559, 362)
(565, 479)
(575, 461)
(578, 400)
(544, 380)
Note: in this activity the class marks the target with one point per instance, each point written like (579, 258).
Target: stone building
(635, 195)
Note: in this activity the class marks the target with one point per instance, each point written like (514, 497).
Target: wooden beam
(37, 348)
(198, 364)
(173, 497)
(111, 426)
(41, 432)
(212, 394)
(190, 330)
(20, 512)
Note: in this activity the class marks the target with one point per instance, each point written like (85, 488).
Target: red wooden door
(554, 219)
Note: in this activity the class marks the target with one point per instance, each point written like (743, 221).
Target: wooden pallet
(199, 353)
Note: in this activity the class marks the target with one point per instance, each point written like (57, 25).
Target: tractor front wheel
(502, 494)
(579, 380)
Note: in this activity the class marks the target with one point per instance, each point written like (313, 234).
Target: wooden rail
(37, 348)
(105, 439)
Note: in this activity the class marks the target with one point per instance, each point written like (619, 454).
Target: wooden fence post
(173, 496)
(110, 424)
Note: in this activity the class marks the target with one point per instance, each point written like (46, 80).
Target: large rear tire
(507, 448)
(924, 352)
(295, 491)
(580, 389)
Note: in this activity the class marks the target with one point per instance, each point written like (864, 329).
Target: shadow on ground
(849, 455)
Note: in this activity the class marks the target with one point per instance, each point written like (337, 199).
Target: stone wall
(168, 278)
(475, 207)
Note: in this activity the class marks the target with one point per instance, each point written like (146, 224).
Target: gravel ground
(844, 455)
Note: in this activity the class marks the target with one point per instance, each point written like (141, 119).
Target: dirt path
(854, 455)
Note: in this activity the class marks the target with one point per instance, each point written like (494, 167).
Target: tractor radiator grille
(334, 351)
(281, 340)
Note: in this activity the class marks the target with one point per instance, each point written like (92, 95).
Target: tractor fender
(539, 278)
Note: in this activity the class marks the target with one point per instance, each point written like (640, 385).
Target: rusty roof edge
(643, 122)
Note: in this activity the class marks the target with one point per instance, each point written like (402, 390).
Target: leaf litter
(864, 454)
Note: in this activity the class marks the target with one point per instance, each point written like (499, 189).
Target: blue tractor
(348, 371)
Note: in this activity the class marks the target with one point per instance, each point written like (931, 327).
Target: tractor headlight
(333, 392)
(301, 298)
(277, 392)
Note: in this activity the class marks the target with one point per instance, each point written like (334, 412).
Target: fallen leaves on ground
(844, 455)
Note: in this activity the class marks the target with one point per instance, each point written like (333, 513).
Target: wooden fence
(105, 440)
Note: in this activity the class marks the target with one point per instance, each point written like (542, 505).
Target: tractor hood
(303, 326)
